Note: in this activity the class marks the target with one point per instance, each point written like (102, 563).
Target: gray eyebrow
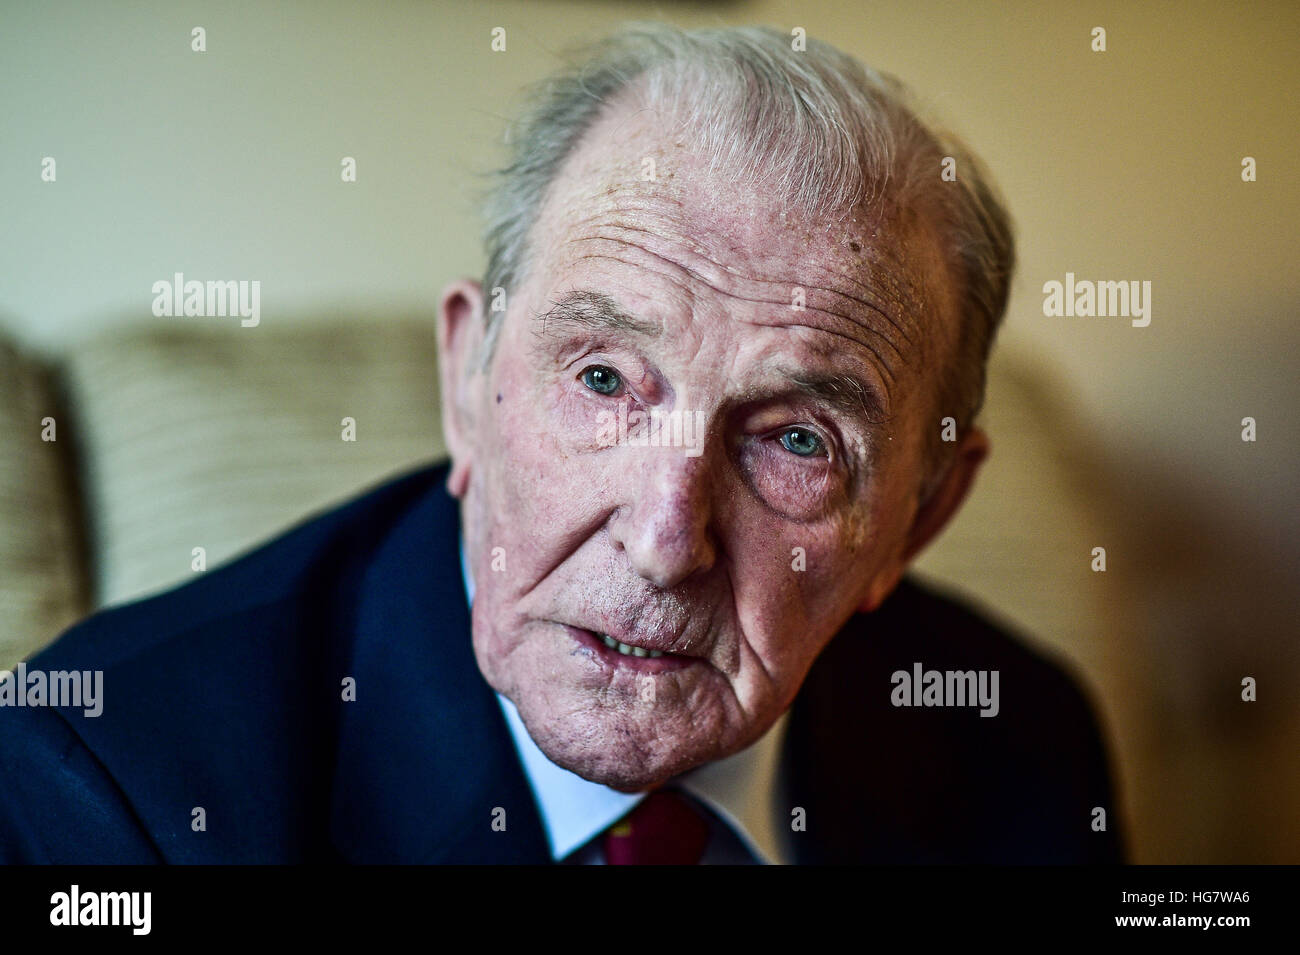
(596, 310)
(848, 393)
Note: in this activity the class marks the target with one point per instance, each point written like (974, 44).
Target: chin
(624, 782)
(627, 775)
(612, 749)
(590, 723)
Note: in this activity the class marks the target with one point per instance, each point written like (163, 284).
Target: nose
(666, 526)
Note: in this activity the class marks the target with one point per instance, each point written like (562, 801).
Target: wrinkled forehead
(635, 180)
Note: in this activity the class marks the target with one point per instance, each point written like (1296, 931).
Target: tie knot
(665, 828)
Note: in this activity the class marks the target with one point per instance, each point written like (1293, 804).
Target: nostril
(665, 536)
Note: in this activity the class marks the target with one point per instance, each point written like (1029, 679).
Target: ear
(460, 331)
(935, 512)
(946, 499)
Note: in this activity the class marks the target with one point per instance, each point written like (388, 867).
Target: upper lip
(679, 645)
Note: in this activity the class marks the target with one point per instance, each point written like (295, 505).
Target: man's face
(725, 565)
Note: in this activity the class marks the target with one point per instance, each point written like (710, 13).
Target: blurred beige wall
(1117, 165)
(1123, 164)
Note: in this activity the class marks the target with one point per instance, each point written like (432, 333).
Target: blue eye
(602, 380)
(802, 442)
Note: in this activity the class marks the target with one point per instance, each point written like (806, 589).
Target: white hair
(818, 128)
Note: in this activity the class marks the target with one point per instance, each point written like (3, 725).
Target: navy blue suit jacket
(225, 694)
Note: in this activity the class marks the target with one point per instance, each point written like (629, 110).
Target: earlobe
(460, 312)
(880, 589)
(934, 514)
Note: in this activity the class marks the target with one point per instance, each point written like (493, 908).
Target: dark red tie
(665, 828)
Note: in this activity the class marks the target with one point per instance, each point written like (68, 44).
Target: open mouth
(616, 653)
(629, 651)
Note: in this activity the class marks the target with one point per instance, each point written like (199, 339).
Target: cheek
(538, 422)
(797, 487)
(516, 443)
(537, 489)
(796, 587)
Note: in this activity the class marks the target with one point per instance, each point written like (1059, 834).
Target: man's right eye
(602, 380)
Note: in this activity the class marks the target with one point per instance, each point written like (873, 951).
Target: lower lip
(663, 664)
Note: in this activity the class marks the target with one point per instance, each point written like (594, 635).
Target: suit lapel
(426, 770)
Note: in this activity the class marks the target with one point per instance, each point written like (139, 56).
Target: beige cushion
(42, 580)
(218, 436)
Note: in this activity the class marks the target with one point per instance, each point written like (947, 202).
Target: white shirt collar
(741, 788)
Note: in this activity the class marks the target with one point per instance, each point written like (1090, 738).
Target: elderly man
(716, 392)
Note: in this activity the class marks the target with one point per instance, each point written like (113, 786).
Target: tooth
(627, 649)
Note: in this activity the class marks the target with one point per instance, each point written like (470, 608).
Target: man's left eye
(802, 442)
(602, 380)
